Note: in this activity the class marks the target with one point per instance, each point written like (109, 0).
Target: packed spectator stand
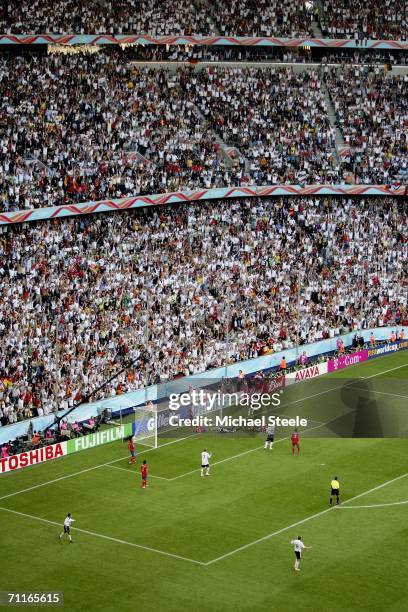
(174, 291)
(364, 19)
(228, 17)
(179, 290)
(79, 128)
(372, 113)
(108, 16)
(276, 118)
(288, 18)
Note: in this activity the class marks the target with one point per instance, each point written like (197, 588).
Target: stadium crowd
(176, 290)
(364, 19)
(194, 54)
(372, 112)
(228, 17)
(152, 17)
(88, 128)
(277, 119)
(286, 18)
(78, 128)
(262, 18)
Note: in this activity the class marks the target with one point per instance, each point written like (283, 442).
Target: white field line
(381, 392)
(341, 386)
(404, 365)
(178, 440)
(251, 450)
(116, 467)
(400, 503)
(243, 453)
(104, 537)
(179, 557)
(95, 467)
(301, 522)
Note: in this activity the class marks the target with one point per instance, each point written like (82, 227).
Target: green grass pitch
(222, 543)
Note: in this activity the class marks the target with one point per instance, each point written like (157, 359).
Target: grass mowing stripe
(404, 365)
(104, 537)
(180, 439)
(341, 386)
(301, 522)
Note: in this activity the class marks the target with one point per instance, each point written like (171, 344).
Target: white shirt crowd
(372, 113)
(276, 118)
(286, 18)
(181, 289)
(70, 128)
(152, 17)
(363, 19)
(76, 129)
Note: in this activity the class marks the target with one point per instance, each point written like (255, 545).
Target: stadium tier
(80, 128)
(368, 19)
(333, 18)
(203, 305)
(178, 290)
(240, 17)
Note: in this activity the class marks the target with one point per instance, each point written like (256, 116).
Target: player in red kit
(295, 441)
(143, 470)
(132, 451)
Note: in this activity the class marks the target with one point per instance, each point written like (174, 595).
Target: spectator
(371, 110)
(169, 291)
(362, 20)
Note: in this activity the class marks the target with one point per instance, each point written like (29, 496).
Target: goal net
(144, 425)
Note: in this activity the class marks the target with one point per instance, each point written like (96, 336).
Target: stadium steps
(30, 160)
(331, 114)
(316, 29)
(209, 7)
(229, 153)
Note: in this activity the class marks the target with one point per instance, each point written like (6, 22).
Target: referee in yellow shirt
(335, 491)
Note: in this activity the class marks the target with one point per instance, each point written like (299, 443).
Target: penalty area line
(400, 503)
(90, 469)
(117, 467)
(251, 450)
(105, 537)
(302, 521)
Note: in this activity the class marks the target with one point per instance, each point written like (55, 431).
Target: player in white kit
(205, 462)
(67, 527)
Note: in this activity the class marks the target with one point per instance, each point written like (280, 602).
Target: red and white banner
(307, 373)
(38, 455)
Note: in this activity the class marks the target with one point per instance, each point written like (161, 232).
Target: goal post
(144, 425)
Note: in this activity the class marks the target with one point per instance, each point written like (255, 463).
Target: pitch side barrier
(126, 402)
(67, 447)
(141, 427)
